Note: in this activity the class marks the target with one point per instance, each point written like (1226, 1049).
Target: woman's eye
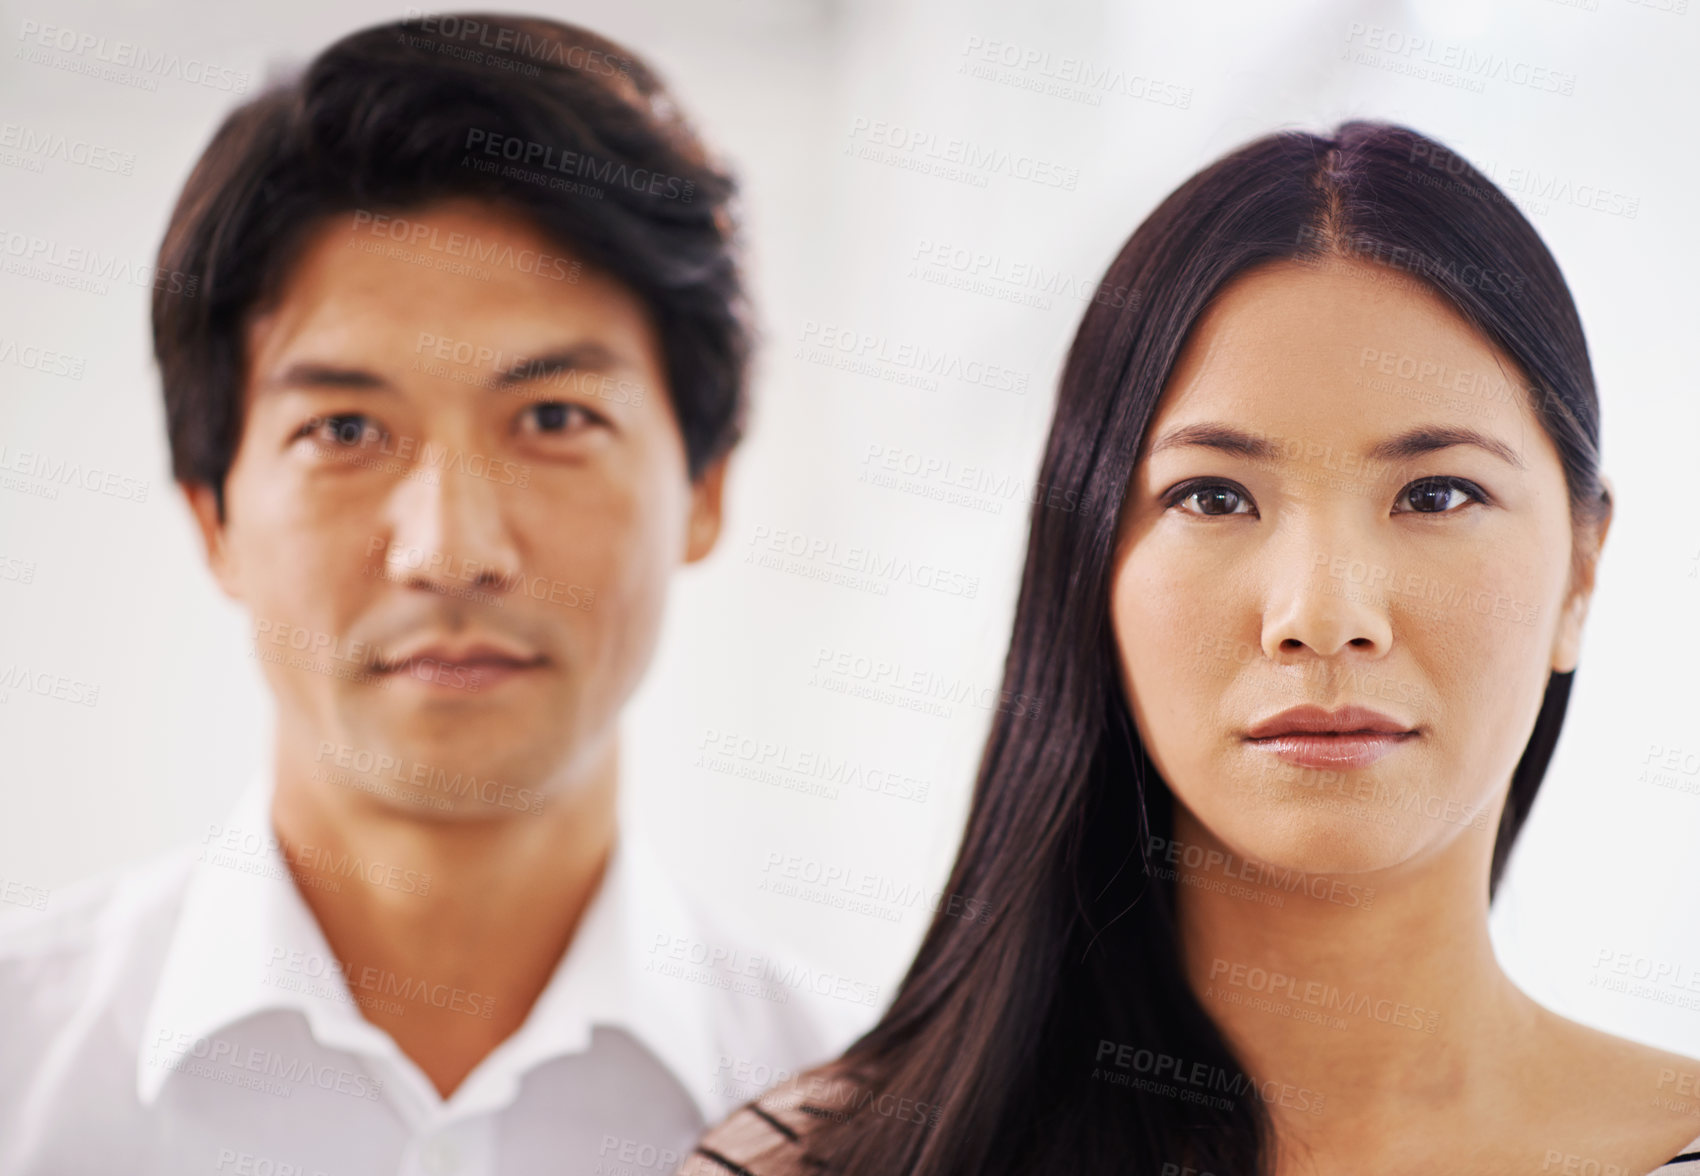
(1214, 498)
(1435, 495)
(557, 417)
(346, 430)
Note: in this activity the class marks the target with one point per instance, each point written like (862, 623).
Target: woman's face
(1345, 500)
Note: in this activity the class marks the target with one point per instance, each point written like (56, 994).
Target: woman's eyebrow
(1411, 443)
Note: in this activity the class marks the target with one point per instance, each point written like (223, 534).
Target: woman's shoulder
(1625, 1099)
(1687, 1162)
(767, 1136)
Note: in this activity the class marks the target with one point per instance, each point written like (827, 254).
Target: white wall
(118, 596)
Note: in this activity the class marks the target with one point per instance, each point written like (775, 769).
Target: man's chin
(488, 767)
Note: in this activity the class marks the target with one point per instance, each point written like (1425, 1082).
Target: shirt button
(440, 1157)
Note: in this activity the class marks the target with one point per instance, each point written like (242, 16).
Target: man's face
(455, 503)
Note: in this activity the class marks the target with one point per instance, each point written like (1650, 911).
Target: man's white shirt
(189, 1017)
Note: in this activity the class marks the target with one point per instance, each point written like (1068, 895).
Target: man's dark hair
(541, 118)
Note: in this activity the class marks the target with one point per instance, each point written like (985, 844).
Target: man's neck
(453, 924)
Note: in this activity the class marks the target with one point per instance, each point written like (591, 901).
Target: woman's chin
(1276, 843)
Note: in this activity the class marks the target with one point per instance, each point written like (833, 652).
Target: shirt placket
(464, 1147)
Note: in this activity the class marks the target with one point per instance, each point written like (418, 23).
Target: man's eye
(1436, 496)
(347, 430)
(557, 417)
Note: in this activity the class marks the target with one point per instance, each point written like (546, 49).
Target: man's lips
(466, 662)
(460, 665)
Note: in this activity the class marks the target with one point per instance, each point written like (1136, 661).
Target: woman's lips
(1350, 749)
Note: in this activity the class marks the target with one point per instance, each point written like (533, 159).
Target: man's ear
(1567, 642)
(706, 494)
(203, 504)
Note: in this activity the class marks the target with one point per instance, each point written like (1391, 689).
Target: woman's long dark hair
(1000, 1025)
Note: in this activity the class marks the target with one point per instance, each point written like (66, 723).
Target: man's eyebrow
(1411, 443)
(310, 374)
(581, 357)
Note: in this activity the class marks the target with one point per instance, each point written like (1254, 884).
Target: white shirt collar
(242, 917)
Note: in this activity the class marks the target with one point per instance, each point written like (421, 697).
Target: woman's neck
(1377, 995)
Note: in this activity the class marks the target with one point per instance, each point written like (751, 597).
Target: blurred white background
(113, 593)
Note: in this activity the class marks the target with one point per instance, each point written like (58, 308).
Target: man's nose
(450, 528)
